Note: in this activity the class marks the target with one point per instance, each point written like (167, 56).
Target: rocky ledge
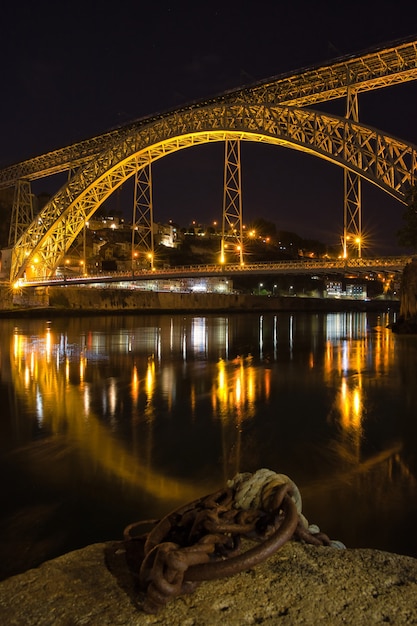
(300, 584)
(407, 320)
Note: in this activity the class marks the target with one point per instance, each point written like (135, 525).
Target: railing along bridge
(358, 266)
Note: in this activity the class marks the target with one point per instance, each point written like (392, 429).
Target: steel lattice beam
(383, 160)
(232, 224)
(142, 225)
(352, 205)
(394, 64)
(22, 211)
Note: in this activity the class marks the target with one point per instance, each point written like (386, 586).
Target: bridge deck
(308, 266)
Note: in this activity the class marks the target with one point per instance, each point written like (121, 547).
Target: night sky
(72, 70)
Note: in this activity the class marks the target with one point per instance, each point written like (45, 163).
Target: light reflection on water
(115, 419)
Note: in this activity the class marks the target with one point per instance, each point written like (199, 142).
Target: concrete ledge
(300, 584)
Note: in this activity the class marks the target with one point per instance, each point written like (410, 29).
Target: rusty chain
(202, 540)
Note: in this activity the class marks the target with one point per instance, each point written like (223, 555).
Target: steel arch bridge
(267, 113)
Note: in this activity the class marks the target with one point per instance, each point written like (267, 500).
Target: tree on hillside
(263, 228)
(407, 235)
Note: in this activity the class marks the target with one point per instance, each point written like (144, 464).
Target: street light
(358, 242)
(353, 241)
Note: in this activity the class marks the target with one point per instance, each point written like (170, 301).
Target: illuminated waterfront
(113, 419)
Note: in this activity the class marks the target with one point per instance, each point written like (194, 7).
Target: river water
(110, 420)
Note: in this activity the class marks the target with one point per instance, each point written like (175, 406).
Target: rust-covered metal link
(201, 540)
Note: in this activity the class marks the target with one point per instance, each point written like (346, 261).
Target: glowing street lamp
(358, 242)
(354, 241)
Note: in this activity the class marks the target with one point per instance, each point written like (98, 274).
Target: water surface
(109, 420)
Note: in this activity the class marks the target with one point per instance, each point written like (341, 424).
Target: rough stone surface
(407, 321)
(408, 303)
(300, 584)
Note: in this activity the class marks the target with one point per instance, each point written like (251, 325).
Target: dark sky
(72, 70)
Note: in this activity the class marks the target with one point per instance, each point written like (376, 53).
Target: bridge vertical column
(352, 210)
(22, 211)
(142, 222)
(232, 227)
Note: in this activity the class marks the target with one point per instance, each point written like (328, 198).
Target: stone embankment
(300, 584)
(407, 321)
(83, 300)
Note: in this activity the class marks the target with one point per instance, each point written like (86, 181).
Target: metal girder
(22, 211)
(363, 72)
(232, 224)
(352, 201)
(305, 266)
(142, 224)
(381, 159)
(394, 64)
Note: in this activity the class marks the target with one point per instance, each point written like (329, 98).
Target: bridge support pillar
(352, 209)
(22, 211)
(142, 222)
(232, 227)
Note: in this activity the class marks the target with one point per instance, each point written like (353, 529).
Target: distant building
(187, 285)
(336, 289)
(99, 223)
(357, 291)
(168, 235)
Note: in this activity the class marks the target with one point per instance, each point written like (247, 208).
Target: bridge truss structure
(354, 266)
(274, 111)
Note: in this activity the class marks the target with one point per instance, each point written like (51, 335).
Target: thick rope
(257, 490)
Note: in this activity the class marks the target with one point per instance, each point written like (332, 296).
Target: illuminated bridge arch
(381, 159)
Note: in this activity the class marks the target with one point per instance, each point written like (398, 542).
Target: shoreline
(120, 302)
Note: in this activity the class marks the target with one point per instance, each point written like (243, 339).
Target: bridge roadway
(305, 266)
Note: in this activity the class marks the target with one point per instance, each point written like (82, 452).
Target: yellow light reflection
(237, 384)
(48, 343)
(238, 391)
(150, 379)
(27, 377)
(251, 386)
(350, 406)
(32, 363)
(221, 383)
(135, 385)
(83, 363)
(37, 378)
(112, 397)
(87, 400)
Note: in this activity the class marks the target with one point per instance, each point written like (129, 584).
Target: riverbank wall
(88, 300)
(407, 319)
